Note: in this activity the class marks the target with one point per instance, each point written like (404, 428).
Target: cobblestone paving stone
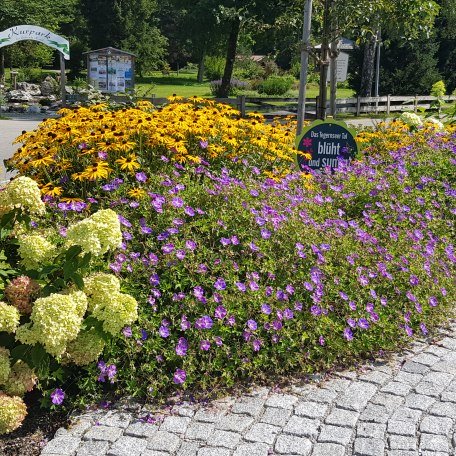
(405, 406)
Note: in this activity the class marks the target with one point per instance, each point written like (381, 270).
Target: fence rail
(285, 106)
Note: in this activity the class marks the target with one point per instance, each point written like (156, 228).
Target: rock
(34, 109)
(33, 89)
(19, 96)
(49, 86)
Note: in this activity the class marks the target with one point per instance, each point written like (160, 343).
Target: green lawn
(185, 85)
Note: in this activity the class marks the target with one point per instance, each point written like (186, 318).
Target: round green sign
(326, 142)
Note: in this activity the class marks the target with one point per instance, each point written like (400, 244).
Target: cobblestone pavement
(403, 407)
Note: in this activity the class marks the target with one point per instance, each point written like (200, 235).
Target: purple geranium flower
(363, 323)
(348, 334)
(164, 331)
(182, 346)
(57, 396)
(179, 376)
(220, 313)
(205, 345)
(252, 324)
(220, 284)
(141, 177)
(204, 322)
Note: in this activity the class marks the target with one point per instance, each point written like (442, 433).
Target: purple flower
(127, 331)
(198, 292)
(321, 341)
(144, 334)
(179, 376)
(423, 328)
(203, 144)
(154, 280)
(220, 313)
(231, 320)
(177, 202)
(220, 284)
(225, 241)
(102, 155)
(408, 330)
(180, 254)
(253, 286)
(266, 309)
(256, 345)
(57, 396)
(351, 322)
(190, 245)
(185, 324)
(189, 211)
(315, 310)
(348, 334)
(414, 280)
(234, 240)
(123, 221)
(204, 322)
(164, 331)
(252, 324)
(363, 323)
(182, 347)
(433, 301)
(240, 286)
(288, 314)
(168, 248)
(205, 345)
(141, 177)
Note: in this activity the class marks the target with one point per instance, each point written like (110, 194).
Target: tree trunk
(201, 68)
(367, 74)
(224, 90)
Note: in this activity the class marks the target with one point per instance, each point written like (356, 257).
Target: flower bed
(241, 274)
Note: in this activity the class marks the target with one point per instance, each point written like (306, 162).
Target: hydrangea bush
(46, 325)
(241, 270)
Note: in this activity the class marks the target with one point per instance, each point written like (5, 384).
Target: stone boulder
(33, 89)
(49, 86)
(19, 96)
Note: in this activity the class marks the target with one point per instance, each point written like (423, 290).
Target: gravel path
(403, 407)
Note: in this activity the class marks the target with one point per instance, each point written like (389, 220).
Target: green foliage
(246, 68)
(214, 67)
(276, 85)
(438, 89)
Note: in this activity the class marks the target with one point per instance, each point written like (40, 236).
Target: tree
(128, 24)
(399, 20)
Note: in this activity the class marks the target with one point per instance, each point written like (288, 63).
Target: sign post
(327, 142)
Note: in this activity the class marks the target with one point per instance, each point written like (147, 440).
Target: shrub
(235, 87)
(214, 67)
(48, 320)
(246, 68)
(276, 85)
(438, 89)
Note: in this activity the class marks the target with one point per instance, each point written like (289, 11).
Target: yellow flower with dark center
(51, 190)
(129, 163)
(99, 170)
(137, 193)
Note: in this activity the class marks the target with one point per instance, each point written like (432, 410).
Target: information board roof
(109, 50)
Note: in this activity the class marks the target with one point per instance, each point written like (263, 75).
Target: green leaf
(21, 352)
(73, 252)
(40, 361)
(78, 281)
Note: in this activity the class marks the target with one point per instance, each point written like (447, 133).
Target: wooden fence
(272, 107)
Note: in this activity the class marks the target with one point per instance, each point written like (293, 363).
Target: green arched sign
(35, 33)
